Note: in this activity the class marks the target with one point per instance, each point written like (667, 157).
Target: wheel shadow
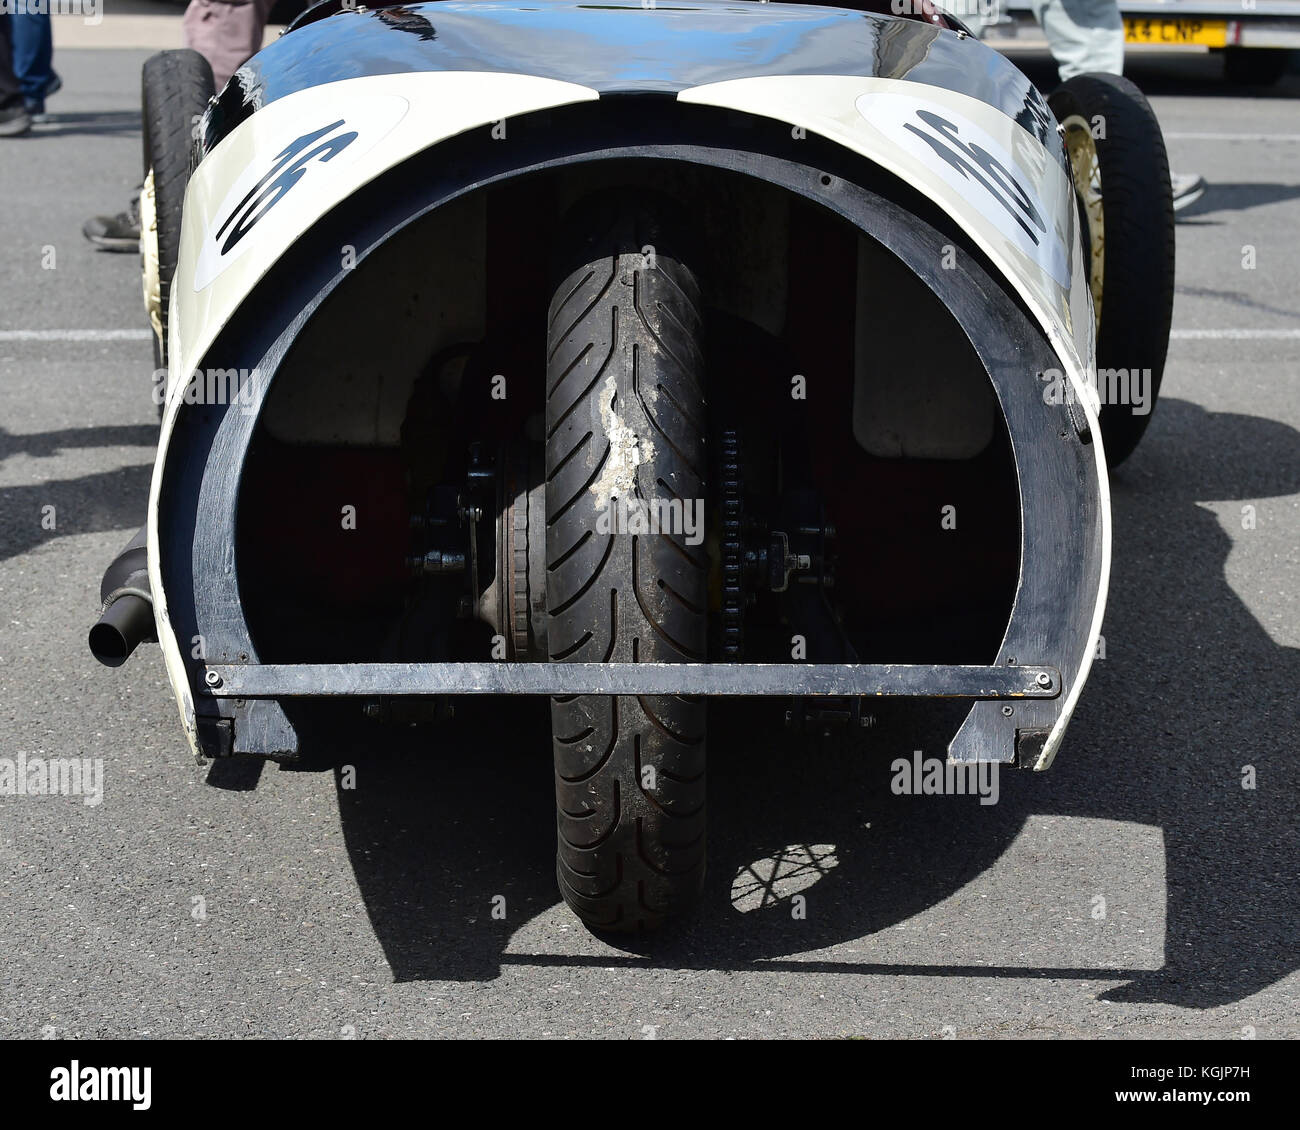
(440, 823)
(450, 828)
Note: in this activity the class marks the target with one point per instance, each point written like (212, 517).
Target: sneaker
(1188, 188)
(113, 233)
(14, 120)
(36, 106)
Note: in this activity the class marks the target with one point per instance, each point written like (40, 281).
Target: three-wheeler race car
(633, 355)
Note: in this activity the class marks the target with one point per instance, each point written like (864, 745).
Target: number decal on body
(289, 168)
(972, 160)
(320, 167)
(986, 162)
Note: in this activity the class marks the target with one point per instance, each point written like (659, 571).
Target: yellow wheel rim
(151, 280)
(1081, 147)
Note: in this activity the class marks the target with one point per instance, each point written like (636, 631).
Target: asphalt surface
(199, 902)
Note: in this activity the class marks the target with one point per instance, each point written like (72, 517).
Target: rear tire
(1137, 214)
(175, 89)
(625, 418)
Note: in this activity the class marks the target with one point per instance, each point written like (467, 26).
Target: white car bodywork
(399, 115)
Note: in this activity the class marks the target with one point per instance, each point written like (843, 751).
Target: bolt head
(1044, 680)
(212, 679)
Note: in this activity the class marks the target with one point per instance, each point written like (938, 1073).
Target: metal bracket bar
(295, 680)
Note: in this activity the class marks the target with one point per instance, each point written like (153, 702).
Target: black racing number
(972, 160)
(289, 168)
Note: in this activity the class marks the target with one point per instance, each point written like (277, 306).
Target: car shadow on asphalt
(110, 122)
(1221, 196)
(445, 825)
(43, 445)
(108, 500)
(1210, 695)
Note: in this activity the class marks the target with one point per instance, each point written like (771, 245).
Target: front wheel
(1121, 174)
(627, 571)
(175, 89)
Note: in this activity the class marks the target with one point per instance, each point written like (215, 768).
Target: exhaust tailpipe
(127, 618)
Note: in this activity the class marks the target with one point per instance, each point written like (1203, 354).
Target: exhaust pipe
(127, 618)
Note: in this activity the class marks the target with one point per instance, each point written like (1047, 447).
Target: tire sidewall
(175, 88)
(1138, 270)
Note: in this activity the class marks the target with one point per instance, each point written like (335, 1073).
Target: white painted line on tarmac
(75, 335)
(1174, 135)
(1235, 335)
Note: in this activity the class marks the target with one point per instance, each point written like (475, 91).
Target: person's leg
(33, 55)
(14, 118)
(225, 32)
(1087, 36)
(1084, 35)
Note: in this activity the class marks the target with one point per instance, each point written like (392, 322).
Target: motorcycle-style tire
(625, 428)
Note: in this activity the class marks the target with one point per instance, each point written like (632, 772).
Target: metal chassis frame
(312, 680)
(1061, 527)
